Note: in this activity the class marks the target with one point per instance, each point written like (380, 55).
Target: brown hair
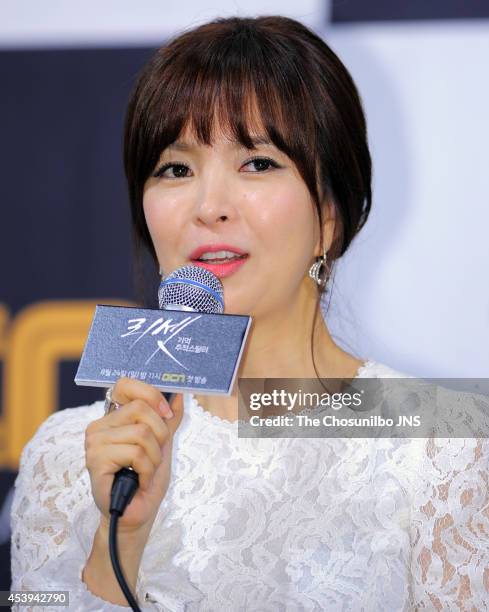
(228, 69)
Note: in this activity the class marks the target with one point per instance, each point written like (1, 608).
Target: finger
(118, 456)
(176, 404)
(138, 411)
(128, 389)
(137, 433)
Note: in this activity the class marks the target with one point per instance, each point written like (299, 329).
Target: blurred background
(413, 290)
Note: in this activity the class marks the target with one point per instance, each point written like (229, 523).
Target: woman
(246, 152)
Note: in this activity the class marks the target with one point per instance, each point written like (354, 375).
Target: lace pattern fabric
(271, 524)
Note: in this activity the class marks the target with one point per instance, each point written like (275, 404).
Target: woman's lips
(215, 248)
(224, 268)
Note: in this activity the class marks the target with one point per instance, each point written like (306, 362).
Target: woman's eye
(172, 171)
(260, 164)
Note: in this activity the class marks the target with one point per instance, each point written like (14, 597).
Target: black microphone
(188, 345)
(189, 288)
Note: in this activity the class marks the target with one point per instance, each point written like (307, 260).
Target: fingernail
(165, 410)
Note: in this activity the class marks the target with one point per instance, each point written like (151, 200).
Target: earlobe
(329, 214)
(329, 224)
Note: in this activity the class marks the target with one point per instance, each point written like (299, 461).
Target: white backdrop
(413, 292)
(417, 280)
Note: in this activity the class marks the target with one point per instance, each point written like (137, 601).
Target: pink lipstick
(220, 259)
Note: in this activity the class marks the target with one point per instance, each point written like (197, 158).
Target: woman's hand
(138, 435)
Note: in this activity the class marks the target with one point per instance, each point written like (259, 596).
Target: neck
(279, 346)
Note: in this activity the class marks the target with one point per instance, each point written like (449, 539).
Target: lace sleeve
(451, 513)
(54, 518)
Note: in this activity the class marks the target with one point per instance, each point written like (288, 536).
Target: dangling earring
(319, 270)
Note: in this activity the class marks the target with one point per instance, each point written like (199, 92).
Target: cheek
(286, 221)
(152, 212)
(161, 220)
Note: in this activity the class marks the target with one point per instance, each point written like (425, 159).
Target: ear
(329, 223)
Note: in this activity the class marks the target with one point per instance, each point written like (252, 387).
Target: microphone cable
(125, 485)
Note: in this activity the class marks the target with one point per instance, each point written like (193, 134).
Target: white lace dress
(270, 524)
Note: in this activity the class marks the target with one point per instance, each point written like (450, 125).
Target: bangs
(237, 85)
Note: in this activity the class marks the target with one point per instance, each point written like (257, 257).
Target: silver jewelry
(319, 270)
(110, 404)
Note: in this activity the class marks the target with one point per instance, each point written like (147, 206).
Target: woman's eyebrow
(258, 140)
(182, 145)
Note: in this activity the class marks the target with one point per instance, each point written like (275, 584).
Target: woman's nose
(214, 202)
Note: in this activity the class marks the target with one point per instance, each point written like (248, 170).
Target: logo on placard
(161, 327)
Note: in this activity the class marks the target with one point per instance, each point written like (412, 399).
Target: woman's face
(246, 215)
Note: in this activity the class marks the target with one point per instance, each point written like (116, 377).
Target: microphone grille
(193, 288)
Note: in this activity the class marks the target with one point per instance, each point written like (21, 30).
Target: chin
(247, 309)
(243, 306)
(248, 300)
(233, 308)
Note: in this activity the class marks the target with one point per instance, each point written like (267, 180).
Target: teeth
(219, 255)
